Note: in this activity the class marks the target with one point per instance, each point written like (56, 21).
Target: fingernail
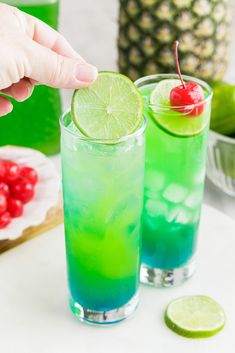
(5, 108)
(86, 72)
(30, 89)
(22, 90)
(10, 109)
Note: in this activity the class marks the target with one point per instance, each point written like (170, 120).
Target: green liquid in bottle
(34, 123)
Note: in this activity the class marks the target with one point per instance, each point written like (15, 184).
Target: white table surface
(34, 313)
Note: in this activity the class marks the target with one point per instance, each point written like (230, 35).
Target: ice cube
(194, 199)
(156, 208)
(172, 215)
(179, 215)
(122, 212)
(183, 217)
(155, 181)
(175, 193)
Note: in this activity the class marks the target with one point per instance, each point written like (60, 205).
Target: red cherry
(191, 95)
(15, 207)
(2, 170)
(4, 189)
(12, 171)
(30, 174)
(22, 190)
(188, 94)
(5, 219)
(3, 203)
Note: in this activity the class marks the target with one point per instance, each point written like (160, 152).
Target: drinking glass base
(167, 278)
(104, 317)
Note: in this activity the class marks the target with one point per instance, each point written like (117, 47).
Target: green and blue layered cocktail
(103, 178)
(176, 144)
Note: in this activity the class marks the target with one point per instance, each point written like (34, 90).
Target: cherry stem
(176, 44)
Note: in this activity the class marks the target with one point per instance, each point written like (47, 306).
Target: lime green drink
(174, 180)
(103, 197)
(46, 10)
(34, 123)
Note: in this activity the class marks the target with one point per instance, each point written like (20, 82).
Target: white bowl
(221, 162)
(47, 190)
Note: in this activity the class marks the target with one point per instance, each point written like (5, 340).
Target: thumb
(52, 69)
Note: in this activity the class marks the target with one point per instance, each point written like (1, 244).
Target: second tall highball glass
(176, 146)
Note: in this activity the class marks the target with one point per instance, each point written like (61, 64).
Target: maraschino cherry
(17, 187)
(187, 94)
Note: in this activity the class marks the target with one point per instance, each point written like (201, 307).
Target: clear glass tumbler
(103, 199)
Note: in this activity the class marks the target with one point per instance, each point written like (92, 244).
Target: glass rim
(228, 139)
(187, 78)
(140, 130)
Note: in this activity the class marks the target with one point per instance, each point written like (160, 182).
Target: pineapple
(148, 28)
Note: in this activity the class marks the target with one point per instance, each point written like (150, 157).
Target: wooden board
(53, 219)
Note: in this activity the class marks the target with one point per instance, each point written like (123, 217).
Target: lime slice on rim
(161, 93)
(110, 108)
(176, 122)
(195, 316)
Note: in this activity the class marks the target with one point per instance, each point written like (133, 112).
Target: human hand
(32, 53)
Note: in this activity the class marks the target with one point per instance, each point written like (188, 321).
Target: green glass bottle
(34, 123)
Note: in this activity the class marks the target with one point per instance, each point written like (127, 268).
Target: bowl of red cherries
(17, 188)
(29, 188)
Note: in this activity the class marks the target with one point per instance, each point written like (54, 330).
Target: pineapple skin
(148, 28)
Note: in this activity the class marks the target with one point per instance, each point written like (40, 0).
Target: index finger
(45, 35)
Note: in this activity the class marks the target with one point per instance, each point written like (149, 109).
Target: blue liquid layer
(91, 294)
(167, 245)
